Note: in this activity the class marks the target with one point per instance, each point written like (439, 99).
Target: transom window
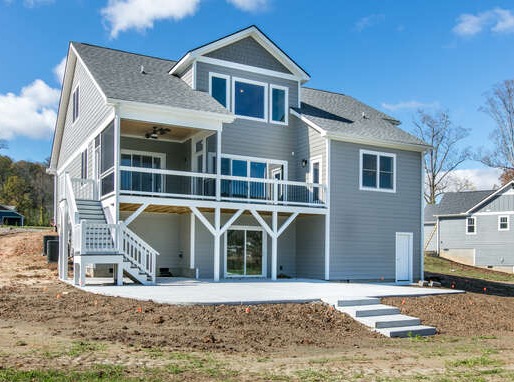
(377, 171)
(503, 223)
(471, 226)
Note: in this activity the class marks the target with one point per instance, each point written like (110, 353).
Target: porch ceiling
(140, 128)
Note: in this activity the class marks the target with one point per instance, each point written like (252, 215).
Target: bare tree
(499, 105)
(456, 183)
(439, 131)
(3, 144)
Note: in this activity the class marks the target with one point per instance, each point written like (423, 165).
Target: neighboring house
(9, 216)
(224, 165)
(474, 227)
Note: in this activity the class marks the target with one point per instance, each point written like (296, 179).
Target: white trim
(499, 223)
(79, 59)
(501, 189)
(286, 104)
(316, 159)
(73, 119)
(410, 258)
(85, 144)
(227, 88)
(308, 122)
(378, 154)
(160, 155)
(328, 149)
(265, 85)
(193, 76)
(264, 244)
(474, 225)
(299, 94)
(192, 233)
(116, 167)
(136, 213)
(490, 213)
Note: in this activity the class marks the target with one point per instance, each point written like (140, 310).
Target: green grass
(447, 267)
(104, 373)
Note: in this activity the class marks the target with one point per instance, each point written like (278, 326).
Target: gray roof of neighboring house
(429, 214)
(345, 117)
(118, 74)
(8, 211)
(454, 203)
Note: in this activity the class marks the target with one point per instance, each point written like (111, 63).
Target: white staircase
(96, 241)
(383, 319)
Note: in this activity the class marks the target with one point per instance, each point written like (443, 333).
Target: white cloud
(122, 15)
(496, 20)
(35, 3)
(482, 178)
(59, 70)
(32, 113)
(249, 5)
(368, 21)
(402, 105)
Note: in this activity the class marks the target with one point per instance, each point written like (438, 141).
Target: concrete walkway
(245, 292)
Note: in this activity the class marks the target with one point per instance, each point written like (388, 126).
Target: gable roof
(459, 203)
(251, 31)
(119, 77)
(9, 211)
(343, 117)
(430, 212)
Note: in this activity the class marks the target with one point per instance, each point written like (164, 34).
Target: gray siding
(247, 51)
(254, 138)
(363, 224)
(309, 144)
(503, 202)
(310, 247)
(92, 111)
(490, 244)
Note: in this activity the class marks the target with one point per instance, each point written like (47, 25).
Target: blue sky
(395, 55)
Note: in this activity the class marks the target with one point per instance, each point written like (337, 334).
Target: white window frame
(499, 223)
(161, 156)
(227, 89)
(474, 225)
(265, 101)
(378, 154)
(264, 251)
(73, 118)
(248, 160)
(286, 104)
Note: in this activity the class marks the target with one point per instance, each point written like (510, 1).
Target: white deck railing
(137, 250)
(84, 189)
(195, 185)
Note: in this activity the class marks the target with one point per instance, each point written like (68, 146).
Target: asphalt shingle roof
(344, 116)
(119, 76)
(453, 203)
(430, 211)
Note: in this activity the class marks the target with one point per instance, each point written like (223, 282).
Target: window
(250, 99)
(503, 223)
(278, 104)
(83, 168)
(141, 181)
(75, 104)
(377, 171)
(218, 88)
(471, 226)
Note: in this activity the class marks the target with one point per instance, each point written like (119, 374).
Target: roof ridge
(122, 51)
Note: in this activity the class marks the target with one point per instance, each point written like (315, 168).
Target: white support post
(328, 148)
(231, 221)
(327, 247)
(274, 245)
(287, 223)
(218, 165)
(119, 274)
(203, 219)
(217, 235)
(192, 241)
(117, 159)
(136, 213)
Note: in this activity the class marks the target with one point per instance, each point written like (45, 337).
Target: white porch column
(192, 233)
(117, 175)
(217, 235)
(274, 245)
(218, 165)
(327, 247)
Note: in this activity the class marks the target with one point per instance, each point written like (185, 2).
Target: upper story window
(471, 226)
(250, 99)
(278, 105)
(503, 223)
(219, 88)
(75, 104)
(377, 171)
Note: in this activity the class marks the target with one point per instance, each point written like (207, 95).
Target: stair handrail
(70, 199)
(136, 250)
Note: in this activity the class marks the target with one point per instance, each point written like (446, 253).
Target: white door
(403, 256)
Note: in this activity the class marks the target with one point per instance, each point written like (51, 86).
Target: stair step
(389, 321)
(369, 310)
(407, 331)
(357, 301)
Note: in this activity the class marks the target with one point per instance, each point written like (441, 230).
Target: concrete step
(369, 310)
(357, 301)
(389, 321)
(408, 331)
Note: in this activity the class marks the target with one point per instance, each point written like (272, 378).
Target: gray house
(223, 164)
(473, 227)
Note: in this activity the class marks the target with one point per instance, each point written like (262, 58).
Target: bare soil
(48, 324)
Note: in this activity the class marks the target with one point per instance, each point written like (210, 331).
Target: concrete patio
(181, 291)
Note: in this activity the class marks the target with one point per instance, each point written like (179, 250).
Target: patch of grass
(104, 373)
(81, 347)
(472, 362)
(447, 267)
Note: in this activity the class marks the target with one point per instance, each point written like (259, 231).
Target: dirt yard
(50, 331)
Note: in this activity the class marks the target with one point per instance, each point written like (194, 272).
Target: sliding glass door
(244, 252)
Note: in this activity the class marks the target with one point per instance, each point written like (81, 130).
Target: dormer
(247, 73)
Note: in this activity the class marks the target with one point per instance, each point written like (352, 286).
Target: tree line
(438, 130)
(26, 186)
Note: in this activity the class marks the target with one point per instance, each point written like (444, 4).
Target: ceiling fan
(156, 131)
